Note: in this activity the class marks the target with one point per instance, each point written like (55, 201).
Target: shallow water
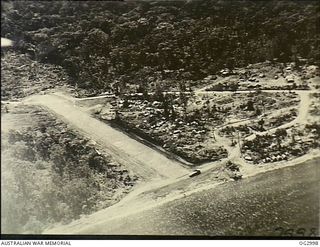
(281, 202)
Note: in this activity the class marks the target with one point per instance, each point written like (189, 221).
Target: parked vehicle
(195, 173)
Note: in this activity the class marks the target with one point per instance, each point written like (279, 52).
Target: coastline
(138, 203)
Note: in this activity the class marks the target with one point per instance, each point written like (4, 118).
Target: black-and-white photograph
(185, 118)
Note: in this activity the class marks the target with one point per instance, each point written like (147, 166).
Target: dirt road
(142, 160)
(251, 207)
(157, 170)
(154, 209)
(302, 117)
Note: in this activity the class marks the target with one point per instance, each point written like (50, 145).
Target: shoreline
(102, 217)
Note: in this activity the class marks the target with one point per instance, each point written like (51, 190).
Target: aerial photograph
(175, 118)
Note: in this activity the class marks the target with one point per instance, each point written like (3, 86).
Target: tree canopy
(99, 42)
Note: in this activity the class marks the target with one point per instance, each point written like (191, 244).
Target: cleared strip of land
(137, 157)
